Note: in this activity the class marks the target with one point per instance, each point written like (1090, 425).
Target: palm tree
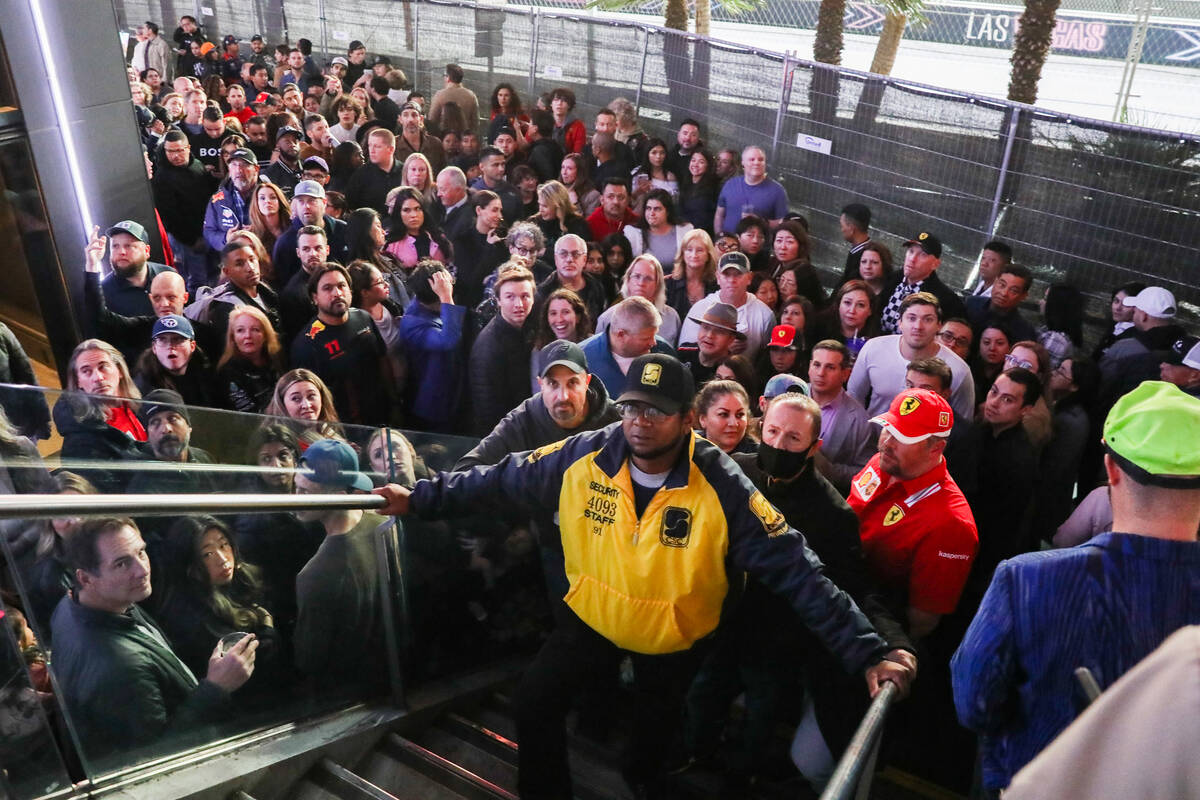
(827, 45)
(1030, 47)
(896, 16)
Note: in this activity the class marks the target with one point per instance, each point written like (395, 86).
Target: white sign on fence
(814, 143)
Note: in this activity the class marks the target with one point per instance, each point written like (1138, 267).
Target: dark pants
(574, 657)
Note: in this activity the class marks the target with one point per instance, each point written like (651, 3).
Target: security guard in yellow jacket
(656, 522)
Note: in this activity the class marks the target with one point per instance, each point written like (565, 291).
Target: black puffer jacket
(87, 436)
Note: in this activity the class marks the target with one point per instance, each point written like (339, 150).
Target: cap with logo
(734, 260)
(1154, 300)
(309, 189)
(784, 336)
(720, 315)
(381, 59)
(1185, 352)
(244, 154)
(782, 384)
(917, 414)
(158, 400)
(661, 381)
(230, 39)
(134, 229)
(411, 106)
(315, 161)
(504, 129)
(1154, 435)
(332, 462)
(562, 353)
(173, 323)
(288, 130)
(258, 37)
(927, 242)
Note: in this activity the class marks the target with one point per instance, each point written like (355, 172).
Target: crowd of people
(341, 250)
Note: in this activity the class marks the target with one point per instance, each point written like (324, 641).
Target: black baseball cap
(288, 130)
(134, 229)
(927, 242)
(162, 400)
(562, 353)
(661, 381)
(244, 154)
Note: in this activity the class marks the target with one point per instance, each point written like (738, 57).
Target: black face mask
(782, 464)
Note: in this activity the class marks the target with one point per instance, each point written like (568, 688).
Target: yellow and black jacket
(658, 583)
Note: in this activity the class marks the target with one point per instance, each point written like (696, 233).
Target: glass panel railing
(345, 606)
(30, 761)
(134, 609)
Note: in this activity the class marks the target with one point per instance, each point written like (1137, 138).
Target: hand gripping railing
(859, 759)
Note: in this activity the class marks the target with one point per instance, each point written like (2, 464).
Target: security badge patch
(545, 450)
(676, 526)
(770, 517)
(651, 374)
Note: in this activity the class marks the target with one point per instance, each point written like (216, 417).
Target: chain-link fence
(1095, 204)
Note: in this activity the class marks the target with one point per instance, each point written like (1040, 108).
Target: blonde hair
(430, 177)
(274, 350)
(660, 294)
(558, 198)
(710, 270)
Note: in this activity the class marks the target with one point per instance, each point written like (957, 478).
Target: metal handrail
(863, 747)
(42, 506)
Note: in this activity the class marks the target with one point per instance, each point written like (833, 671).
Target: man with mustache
(342, 345)
(169, 439)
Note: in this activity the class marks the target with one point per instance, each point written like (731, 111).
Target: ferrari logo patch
(909, 405)
(894, 515)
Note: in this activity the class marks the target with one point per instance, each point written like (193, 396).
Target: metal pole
(44, 506)
(637, 103)
(1137, 40)
(850, 769)
(416, 10)
(1003, 177)
(533, 50)
(324, 31)
(785, 93)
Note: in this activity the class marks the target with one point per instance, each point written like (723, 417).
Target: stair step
(346, 784)
(595, 772)
(499, 767)
(441, 769)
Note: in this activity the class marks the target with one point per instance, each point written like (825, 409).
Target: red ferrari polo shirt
(917, 535)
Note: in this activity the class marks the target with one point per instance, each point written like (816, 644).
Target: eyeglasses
(1013, 361)
(725, 247)
(526, 251)
(380, 282)
(632, 411)
(572, 254)
(950, 338)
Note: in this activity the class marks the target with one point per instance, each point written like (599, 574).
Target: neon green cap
(1154, 433)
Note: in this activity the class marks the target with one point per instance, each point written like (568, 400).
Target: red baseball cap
(784, 336)
(917, 414)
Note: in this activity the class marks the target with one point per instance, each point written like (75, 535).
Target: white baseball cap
(1154, 300)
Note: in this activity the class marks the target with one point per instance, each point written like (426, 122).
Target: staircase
(465, 753)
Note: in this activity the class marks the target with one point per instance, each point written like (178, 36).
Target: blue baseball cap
(332, 462)
(173, 323)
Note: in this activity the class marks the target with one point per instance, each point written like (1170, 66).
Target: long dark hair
(516, 100)
(187, 580)
(707, 182)
(1064, 311)
(542, 335)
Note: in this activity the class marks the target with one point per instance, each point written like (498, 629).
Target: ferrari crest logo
(651, 373)
(909, 405)
(894, 515)
(943, 419)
